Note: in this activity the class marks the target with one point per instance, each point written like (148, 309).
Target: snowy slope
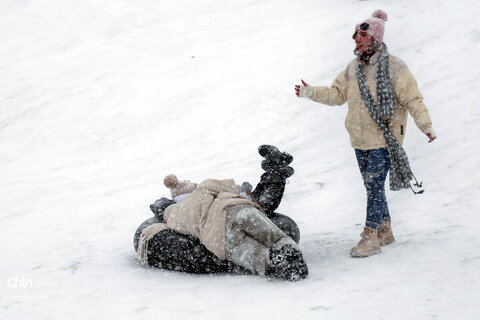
(101, 99)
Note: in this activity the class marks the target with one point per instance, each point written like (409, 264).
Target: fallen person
(229, 221)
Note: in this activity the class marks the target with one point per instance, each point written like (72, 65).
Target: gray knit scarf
(400, 172)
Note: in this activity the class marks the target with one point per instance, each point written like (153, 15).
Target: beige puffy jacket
(364, 133)
(202, 213)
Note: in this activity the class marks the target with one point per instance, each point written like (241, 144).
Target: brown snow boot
(368, 245)
(385, 234)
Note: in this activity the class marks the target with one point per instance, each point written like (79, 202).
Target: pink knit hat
(375, 25)
(178, 187)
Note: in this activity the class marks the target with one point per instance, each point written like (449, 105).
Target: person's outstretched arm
(335, 95)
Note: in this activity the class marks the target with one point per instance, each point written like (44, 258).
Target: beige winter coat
(364, 133)
(202, 213)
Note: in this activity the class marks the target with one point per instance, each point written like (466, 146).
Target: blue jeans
(374, 166)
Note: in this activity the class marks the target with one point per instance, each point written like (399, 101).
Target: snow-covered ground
(101, 99)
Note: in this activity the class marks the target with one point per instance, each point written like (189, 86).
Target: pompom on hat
(374, 26)
(178, 187)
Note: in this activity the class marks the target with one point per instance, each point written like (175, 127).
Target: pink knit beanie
(375, 25)
(178, 187)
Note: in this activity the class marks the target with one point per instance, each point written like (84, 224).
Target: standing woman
(380, 91)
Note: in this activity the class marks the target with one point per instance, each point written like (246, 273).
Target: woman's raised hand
(304, 90)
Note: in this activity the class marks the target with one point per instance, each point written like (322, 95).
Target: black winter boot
(272, 153)
(287, 264)
(283, 171)
(269, 191)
